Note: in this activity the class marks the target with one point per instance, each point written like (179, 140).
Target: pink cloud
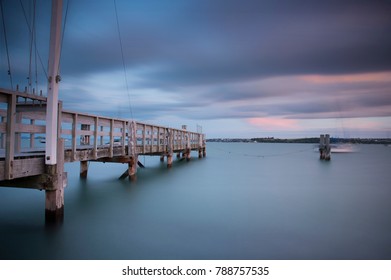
(274, 123)
(351, 78)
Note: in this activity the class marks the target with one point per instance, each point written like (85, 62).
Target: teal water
(244, 201)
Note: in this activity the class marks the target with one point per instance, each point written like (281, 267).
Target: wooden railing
(86, 136)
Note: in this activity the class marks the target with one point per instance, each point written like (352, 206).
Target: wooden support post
(54, 192)
(83, 169)
(199, 152)
(2, 142)
(144, 137)
(324, 147)
(328, 148)
(74, 136)
(169, 160)
(321, 146)
(18, 135)
(132, 168)
(178, 155)
(101, 137)
(32, 135)
(188, 154)
(123, 150)
(10, 137)
(158, 139)
(95, 150)
(111, 148)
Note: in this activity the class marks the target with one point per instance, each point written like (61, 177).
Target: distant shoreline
(313, 140)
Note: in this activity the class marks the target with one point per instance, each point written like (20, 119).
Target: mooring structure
(324, 147)
(37, 137)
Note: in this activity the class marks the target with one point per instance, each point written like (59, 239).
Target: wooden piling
(188, 154)
(324, 147)
(83, 169)
(54, 188)
(169, 160)
(132, 168)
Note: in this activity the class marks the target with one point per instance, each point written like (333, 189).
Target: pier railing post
(10, 137)
(170, 146)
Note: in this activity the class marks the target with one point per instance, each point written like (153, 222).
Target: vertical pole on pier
(53, 83)
(10, 137)
(132, 150)
(170, 147)
(188, 146)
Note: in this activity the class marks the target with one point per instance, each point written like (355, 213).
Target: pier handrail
(87, 136)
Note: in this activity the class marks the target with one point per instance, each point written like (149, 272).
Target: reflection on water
(244, 201)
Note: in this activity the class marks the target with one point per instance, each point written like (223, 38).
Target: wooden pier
(80, 137)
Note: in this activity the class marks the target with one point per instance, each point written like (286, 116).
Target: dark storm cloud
(218, 41)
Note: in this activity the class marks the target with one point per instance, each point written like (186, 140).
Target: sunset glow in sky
(239, 68)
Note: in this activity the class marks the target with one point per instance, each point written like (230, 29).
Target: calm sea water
(244, 201)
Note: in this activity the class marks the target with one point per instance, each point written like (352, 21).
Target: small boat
(343, 148)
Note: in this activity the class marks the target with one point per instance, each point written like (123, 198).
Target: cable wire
(123, 59)
(6, 44)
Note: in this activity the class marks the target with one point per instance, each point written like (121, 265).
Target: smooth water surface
(243, 201)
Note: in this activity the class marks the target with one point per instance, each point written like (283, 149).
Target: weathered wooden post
(321, 146)
(327, 147)
(54, 188)
(132, 153)
(132, 168)
(324, 147)
(84, 140)
(201, 146)
(188, 146)
(170, 147)
(83, 169)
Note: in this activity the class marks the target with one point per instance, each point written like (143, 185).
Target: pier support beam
(169, 160)
(54, 206)
(188, 154)
(54, 189)
(324, 147)
(83, 169)
(131, 171)
(132, 168)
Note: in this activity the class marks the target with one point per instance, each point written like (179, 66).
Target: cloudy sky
(239, 68)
